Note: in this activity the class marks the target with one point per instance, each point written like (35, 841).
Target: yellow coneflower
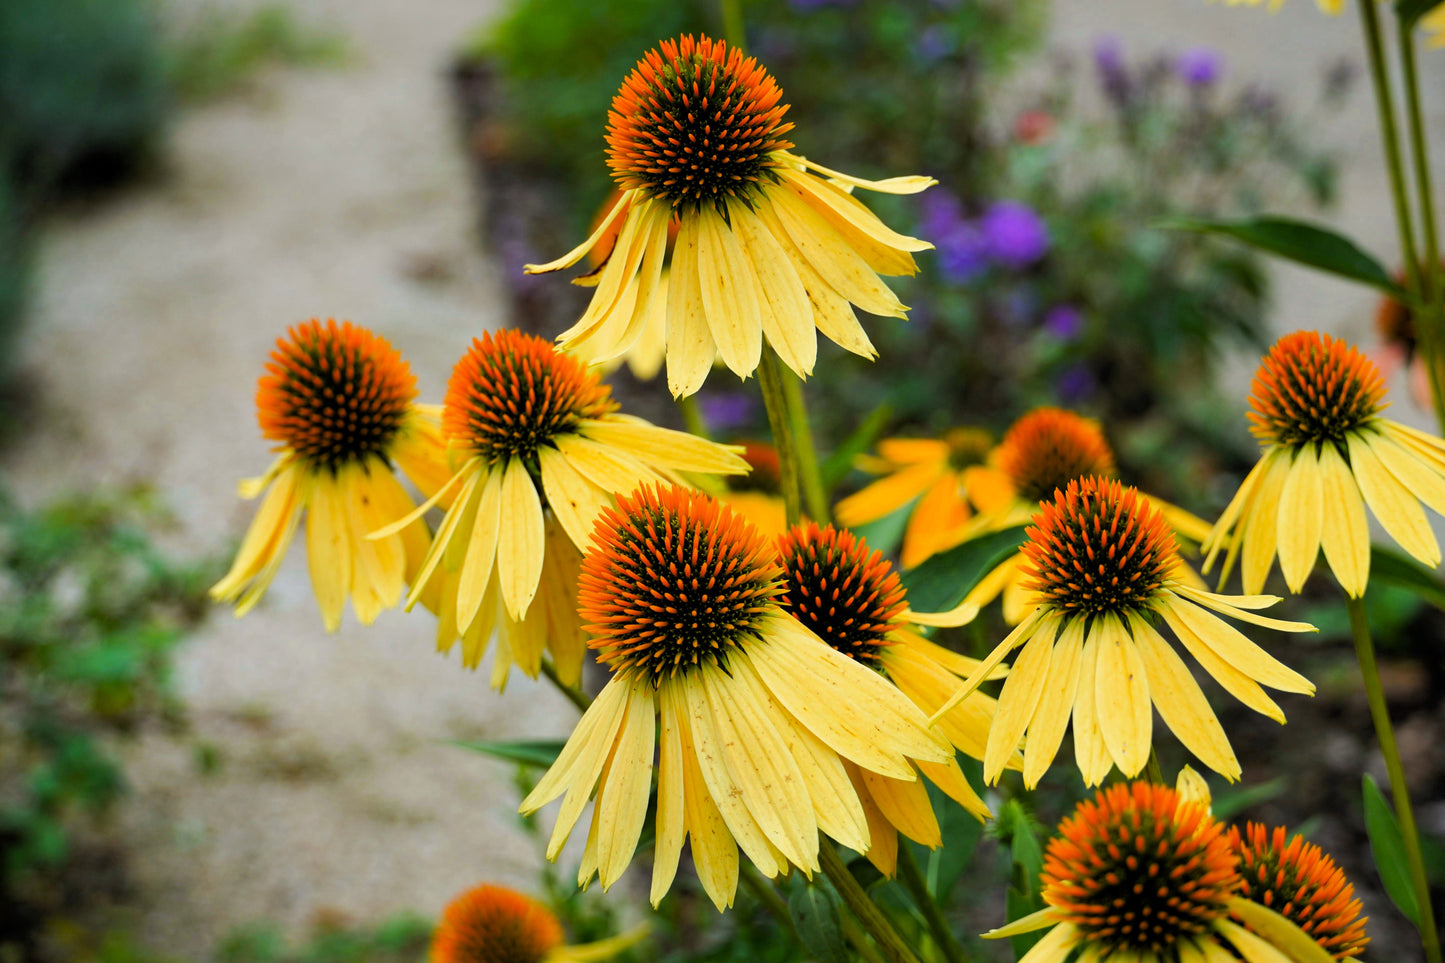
(1103, 567)
(757, 495)
(1140, 874)
(1327, 454)
(542, 450)
(765, 246)
(946, 475)
(493, 924)
(1301, 882)
(757, 714)
(339, 402)
(852, 599)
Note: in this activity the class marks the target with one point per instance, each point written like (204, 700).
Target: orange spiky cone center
(1313, 388)
(1137, 869)
(334, 393)
(694, 123)
(491, 924)
(1048, 448)
(513, 392)
(673, 580)
(849, 597)
(1098, 547)
(1301, 882)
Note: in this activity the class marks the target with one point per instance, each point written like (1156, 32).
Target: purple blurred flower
(1113, 72)
(1076, 383)
(1064, 322)
(933, 44)
(725, 410)
(962, 248)
(1014, 235)
(1199, 66)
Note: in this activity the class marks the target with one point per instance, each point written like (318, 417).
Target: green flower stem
(1152, 770)
(864, 910)
(803, 491)
(732, 22)
(576, 696)
(1429, 335)
(1432, 275)
(1380, 712)
(692, 418)
(858, 939)
(764, 893)
(912, 879)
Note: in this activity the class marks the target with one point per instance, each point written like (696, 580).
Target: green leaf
(1226, 805)
(1396, 568)
(942, 582)
(1015, 828)
(1301, 242)
(1410, 11)
(886, 534)
(841, 461)
(815, 913)
(537, 752)
(1388, 849)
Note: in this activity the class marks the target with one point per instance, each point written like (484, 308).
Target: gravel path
(344, 194)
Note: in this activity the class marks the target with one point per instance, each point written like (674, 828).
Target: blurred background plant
(90, 614)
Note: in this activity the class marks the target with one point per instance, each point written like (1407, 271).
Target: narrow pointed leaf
(1388, 848)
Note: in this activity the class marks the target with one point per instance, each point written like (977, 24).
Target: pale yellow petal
(521, 544)
(590, 743)
(1234, 647)
(1181, 703)
(714, 852)
(622, 207)
(611, 469)
(882, 249)
(729, 294)
(665, 448)
(481, 543)
(1121, 696)
(1055, 704)
(690, 348)
(1234, 681)
(1346, 535)
(1018, 700)
(1229, 605)
(621, 813)
(447, 533)
(1301, 518)
(266, 538)
(883, 850)
(575, 499)
(966, 725)
(906, 806)
(787, 315)
(950, 778)
(910, 184)
(1021, 633)
(326, 552)
(1397, 509)
(1090, 751)
(1261, 525)
(830, 256)
(1281, 932)
(887, 495)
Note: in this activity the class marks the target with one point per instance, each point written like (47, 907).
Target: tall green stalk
(1432, 275)
(1429, 335)
(1385, 731)
(865, 911)
(912, 879)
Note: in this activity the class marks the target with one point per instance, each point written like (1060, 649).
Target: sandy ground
(344, 193)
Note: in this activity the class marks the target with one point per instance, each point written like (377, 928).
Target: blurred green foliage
(220, 49)
(396, 940)
(90, 613)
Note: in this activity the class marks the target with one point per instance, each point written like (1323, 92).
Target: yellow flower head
(493, 924)
(1327, 454)
(542, 450)
(764, 246)
(757, 714)
(1301, 882)
(339, 403)
(852, 599)
(1103, 569)
(1141, 873)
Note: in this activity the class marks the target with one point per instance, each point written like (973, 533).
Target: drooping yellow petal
(882, 249)
(852, 709)
(376, 566)
(690, 347)
(1032, 923)
(1234, 681)
(1346, 534)
(1121, 696)
(1225, 605)
(1397, 509)
(729, 294)
(623, 206)
(883, 850)
(1281, 932)
(1261, 525)
(609, 468)
(1219, 535)
(671, 803)
(1181, 703)
(481, 543)
(622, 811)
(600, 336)
(830, 256)
(1021, 633)
(906, 806)
(1251, 948)
(266, 538)
(1090, 751)
(955, 662)
(666, 448)
(447, 533)
(575, 500)
(1055, 703)
(1421, 479)
(914, 451)
(939, 522)
(326, 552)
(464, 473)
(1234, 647)
(910, 184)
(522, 540)
(928, 684)
(1018, 700)
(950, 778)
(714, 852)
(835, 804)
(787, 315)
(717, 775)
(1301, 518)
